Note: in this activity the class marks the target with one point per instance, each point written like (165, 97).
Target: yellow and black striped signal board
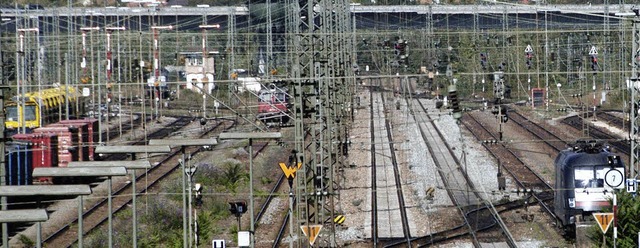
(339, 219)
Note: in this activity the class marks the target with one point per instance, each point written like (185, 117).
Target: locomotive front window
(588, 178)
(282, 97)
(30, 113)
(265, 97)
(12, 113)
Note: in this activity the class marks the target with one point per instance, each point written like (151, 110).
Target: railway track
(374, 193)
(552, 140)
(97, 214)
(526, 179)
(577, 122)
(389, 205)
(459, 186)
(480, 215)
(161, 133)
(113, 133)
(614, 120)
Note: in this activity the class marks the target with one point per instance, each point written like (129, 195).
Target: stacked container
(83, 138)
(18, 166)
(93, 129)
(67, 143)
(44, 150)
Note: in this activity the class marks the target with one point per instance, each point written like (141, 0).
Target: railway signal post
(237, 208)
(189, 172)
(290, 172)
(501, 114)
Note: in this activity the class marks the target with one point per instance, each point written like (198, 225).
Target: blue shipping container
(19, 165)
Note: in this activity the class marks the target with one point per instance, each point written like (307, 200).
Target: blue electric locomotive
(586, 176)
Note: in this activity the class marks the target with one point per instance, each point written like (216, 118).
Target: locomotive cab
(273, 105)
(586, 177)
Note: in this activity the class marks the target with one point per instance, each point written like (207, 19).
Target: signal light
(198, 188)
(401, 51)
(502, 66)
(455, 103)
(503, 111)
(594, 62)
(238, 208)
(504, 118)
(500, 112)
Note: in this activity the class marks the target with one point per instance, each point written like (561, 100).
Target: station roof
(79, 172)
(39, 190)
(132, 149)
(23, 215)
(183, 142)
(138, 164)
(251, 135)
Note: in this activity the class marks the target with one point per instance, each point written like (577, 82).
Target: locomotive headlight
(572, 202)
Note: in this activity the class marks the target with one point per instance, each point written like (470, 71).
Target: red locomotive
(273, 104)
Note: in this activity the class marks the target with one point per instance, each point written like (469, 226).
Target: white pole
(615, 221)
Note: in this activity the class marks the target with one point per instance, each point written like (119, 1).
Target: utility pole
(156, 65)
(109, 72)
(22, 89)
(3, 173)
(269, 44)
(86, 78)
(546, 62)
(231, 31)
(205, 80)
(635, 76)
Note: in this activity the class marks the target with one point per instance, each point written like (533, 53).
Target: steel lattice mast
(635, 119)
(322, 78)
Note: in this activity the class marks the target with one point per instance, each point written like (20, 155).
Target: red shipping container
(44, 148)
(92, 124)
(67, 143)
(83, 138)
